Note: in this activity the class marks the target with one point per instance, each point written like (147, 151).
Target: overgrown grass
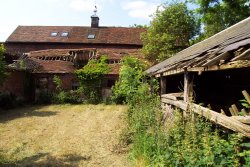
(62, 135)
(190, 141)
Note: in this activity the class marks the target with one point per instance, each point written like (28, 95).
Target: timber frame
(215, 71)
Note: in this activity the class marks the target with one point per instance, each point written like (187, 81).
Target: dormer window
(91, 36)
(53, 34)
(64, 34)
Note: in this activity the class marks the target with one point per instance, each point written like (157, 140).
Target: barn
(211, 77)
(38, 53)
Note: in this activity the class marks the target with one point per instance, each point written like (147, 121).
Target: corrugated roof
(77, 34)
(200, 54)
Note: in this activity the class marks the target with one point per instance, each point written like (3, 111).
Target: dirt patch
(63, 135)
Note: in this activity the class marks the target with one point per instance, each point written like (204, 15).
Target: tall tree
(2, 64)
(169, 31)
(217, 15)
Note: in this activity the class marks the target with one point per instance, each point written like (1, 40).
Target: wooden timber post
(188, 87)
(163, 85)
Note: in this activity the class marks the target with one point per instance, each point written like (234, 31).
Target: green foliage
(62, 96)
(169, 32)
(2, 64)
(138, 26)
(130, 78)
(218, 15)
(91, 76)
(245, 103)
(189, 141)
(58, 82)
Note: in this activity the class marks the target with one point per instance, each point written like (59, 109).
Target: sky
(73, 13)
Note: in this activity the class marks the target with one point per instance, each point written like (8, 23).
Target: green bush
(90, 77)
(192, 141)
(61, 96)
(184, 141)
(130, 78)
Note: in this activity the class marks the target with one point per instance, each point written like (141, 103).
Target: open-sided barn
(213, 72)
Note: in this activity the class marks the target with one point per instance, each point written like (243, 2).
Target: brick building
(40, 52)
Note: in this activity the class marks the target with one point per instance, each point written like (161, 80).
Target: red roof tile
(77, 34)
(54, 66)
(56, 52)
(119, 53)
(35, 62)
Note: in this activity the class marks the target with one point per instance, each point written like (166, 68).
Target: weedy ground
(62, 135)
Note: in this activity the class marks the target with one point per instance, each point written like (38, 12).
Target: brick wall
(67, 80)
(20, 48)
(14, 83)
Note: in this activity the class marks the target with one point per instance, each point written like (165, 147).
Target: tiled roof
(77, 34)
(214, 51)
(120, 53)
(59, 60)
(54, 67)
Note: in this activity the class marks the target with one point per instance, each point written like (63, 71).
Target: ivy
(91, 76)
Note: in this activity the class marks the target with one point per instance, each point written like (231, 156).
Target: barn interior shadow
(34, 111)
(46, 160)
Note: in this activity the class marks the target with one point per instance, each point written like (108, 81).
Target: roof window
(64, 34)
(53, 34)
(91, 36)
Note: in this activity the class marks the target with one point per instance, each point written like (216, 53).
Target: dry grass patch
(62, 135)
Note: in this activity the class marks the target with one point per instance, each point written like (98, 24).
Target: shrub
(130, 78)
(91, 76)
(190, 141)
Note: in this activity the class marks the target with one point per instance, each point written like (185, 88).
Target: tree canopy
(169, 31)
(217, 15)
(2, 64)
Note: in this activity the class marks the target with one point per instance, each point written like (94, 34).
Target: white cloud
(54, 0)
(140, 8)
(82, 5)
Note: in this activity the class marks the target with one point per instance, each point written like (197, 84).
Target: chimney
(94, 19)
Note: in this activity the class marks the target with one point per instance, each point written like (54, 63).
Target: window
(64, 34)
(53, 34)
(91, 36)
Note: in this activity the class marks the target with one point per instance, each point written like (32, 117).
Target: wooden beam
(243, 119)
(235, 109)
(246, 95)
(232, 111)
(244, 56)
(223, 120)
(230, 65)
(220, 119)
(173, 96)
(163, 85)
(216, 60)
(188, 87)
(180, 104)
